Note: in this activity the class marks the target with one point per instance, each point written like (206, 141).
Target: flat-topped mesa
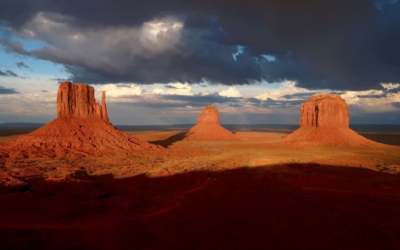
(77, 101)
(324, 120)
(324, 110)
(209, 115)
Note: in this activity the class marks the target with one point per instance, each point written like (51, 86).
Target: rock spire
(208, 127)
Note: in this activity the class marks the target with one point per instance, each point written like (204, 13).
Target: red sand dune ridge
(82, 127)
(324, 120)
(208, 128)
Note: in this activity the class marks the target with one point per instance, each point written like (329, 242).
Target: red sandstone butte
(208, 128)
(324, 120)
(77, 101)
(81, 129)
(324, 111)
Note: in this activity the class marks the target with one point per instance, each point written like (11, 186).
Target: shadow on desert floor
(245, 208)
(170, 140)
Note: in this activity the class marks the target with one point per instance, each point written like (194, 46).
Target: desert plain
(218, 124)
(81, 183)
(253, 193)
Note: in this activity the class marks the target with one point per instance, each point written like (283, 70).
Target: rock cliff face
(209, 115)
(324, 120)
(324, 111)
(81, 129)
(208, 128)
(77, 101)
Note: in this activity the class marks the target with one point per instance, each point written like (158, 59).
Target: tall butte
(77, 101)
(82, 128)
(324, 120)
(208, 128)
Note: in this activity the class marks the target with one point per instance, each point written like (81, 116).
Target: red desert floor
(250, 194)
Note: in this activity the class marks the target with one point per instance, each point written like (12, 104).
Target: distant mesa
(324, 120)
(208, 128)
(82, 128)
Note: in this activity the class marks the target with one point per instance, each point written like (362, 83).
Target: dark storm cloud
(395, 90)
(16, 13)
(14, 47)
(269, 103)
(179, 101)
(211, 62)
(254, 100)
(375, 118)
(298, 95)
(383, 95)
(5, 91)
(396, 105)
(170, 87)
(151, 105)
(380, 3)
(199, 100)
(343, 45)
(8, 73)
(257, 118)
(22, 65)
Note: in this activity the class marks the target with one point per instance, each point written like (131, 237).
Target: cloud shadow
(245, 208)
(170, 140)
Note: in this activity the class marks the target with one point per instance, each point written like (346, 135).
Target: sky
(160, 62)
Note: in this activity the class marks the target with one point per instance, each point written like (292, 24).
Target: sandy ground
(248, 194)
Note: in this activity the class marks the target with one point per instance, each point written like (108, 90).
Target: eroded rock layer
(81, 129)
(324, 120)
(208, 128)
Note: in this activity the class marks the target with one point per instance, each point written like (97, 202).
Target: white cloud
(366, 100)
(33, 83)
(28, 104)
(114, 90)
(230, 92)
(158, 91)
(165, 30)
(354, 97)
(390, 86)
(101, 48)
(285, 88)
(146, 99)
(372, 100)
